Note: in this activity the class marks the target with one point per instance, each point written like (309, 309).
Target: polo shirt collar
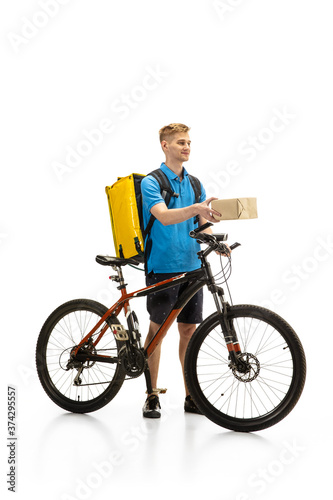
(169, 173)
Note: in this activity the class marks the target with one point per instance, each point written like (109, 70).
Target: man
(173, 251)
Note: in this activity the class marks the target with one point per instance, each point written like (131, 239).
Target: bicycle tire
(270, 391)
(62, 330)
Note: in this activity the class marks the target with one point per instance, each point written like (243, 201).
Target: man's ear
(164, 145)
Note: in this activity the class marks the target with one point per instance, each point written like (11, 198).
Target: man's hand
(224, 254)
(206, 211)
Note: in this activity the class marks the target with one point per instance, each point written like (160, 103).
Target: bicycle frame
(196, 279)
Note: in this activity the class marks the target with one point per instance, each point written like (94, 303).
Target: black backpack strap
(166, 192)
(196, 186)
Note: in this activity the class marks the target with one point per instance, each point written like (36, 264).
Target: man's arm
(169, 216)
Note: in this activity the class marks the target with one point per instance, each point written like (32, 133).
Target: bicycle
(245, 366)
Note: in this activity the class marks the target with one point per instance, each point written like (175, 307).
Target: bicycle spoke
(267, 381)
(67, 333)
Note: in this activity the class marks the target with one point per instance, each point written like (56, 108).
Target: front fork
(222, 307)
(238, 363)
(226, 323)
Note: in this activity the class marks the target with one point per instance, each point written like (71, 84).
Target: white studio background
(85, 88)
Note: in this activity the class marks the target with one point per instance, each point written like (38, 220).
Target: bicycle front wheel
(77, 387)
(259, 396)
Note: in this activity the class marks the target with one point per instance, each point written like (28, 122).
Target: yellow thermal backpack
(125, 206)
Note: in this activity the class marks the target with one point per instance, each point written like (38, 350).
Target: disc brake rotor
(250, 368)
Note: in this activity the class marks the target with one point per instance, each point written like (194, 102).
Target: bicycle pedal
(119, 332)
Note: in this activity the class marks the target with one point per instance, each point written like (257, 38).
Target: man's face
(178, 147)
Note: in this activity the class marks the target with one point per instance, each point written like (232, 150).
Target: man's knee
(186, 330)
(153, 327)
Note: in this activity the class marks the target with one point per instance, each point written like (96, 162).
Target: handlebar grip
(199, 229)
(234, 245)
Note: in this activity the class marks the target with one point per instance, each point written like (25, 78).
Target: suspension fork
(222, 307)
(229, 331)
(226, 323)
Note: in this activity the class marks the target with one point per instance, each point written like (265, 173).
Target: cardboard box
(236, 208)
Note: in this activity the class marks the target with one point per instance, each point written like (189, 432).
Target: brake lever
(223, 249)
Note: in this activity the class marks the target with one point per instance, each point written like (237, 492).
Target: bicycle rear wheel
(97, 383)
(271, 386)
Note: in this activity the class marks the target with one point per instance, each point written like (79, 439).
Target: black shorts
(159, 304)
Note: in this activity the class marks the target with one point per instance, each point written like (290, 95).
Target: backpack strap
(196, 186)
(166, 192)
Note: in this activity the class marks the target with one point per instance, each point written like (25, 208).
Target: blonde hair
(169, 130)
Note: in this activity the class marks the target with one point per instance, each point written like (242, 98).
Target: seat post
(120, 279)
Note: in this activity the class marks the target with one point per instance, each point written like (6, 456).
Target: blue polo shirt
(173, 250)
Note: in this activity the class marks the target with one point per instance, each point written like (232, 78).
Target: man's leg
(154, 360)
(152, 407)
(158, 307)
(185, 333)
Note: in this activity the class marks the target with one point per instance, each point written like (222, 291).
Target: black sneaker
(190, 406)
(152, 407)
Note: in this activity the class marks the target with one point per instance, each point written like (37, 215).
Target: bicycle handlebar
(201, 228)
(213, 240)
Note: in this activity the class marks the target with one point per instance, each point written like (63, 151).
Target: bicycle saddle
(106, 260)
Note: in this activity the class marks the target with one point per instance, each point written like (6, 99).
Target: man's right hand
(206, 211)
